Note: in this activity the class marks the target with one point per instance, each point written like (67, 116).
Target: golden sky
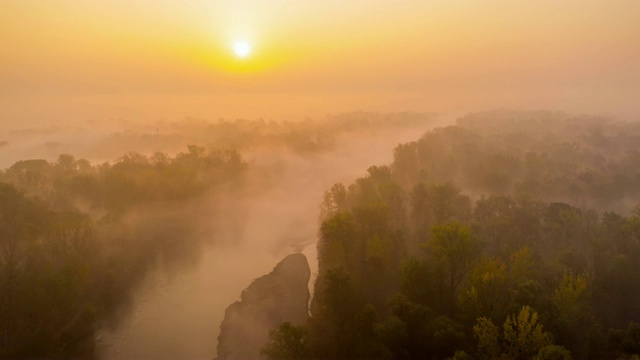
(87, 59)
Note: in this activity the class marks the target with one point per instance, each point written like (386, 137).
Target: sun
(242, 49)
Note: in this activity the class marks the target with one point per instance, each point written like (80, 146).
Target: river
(176, 312)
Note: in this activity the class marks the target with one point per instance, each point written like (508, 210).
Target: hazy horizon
(450, 169)
(73, 61)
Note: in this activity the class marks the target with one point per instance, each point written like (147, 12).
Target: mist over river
(176, 313)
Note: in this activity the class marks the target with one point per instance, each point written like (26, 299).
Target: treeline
(476, 243)
(132, 179)
(301, 137)
(76, 238)
(584, 161)
(310, 135)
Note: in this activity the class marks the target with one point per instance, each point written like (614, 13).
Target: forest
(510, 235)
(78, 239)
(319, 180)
(507, 235)
(70, 255)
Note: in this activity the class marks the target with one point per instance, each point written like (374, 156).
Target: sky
(88, 60)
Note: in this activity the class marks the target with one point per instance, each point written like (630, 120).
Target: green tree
(488, 336)
(494, 289)
(334, 200)
(335, 305)
(453, 251)
(287, 342)
(436, 205)
(488, 290)
(522, 337)
(337, 246)
(417, 281)
(572, 311)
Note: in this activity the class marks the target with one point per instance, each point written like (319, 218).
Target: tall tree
(453, 250)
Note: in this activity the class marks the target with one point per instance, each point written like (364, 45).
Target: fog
(446, 168)
(142, 250)
(200, 254)
(243, 235)
(247, 235)
(71, 61)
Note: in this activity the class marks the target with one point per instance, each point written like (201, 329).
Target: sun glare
(242, 49)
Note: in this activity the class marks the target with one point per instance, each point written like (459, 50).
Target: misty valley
(495, 235)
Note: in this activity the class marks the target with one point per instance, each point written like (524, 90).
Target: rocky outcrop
(281, 296)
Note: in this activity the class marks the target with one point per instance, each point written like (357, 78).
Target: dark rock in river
(281, 296)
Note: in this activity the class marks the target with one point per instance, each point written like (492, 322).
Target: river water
(176, 312)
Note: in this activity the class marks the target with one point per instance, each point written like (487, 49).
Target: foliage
(522, 338)
(70, 253)
(287, 342)
(473, 225)
(523, 335)
(452, 250)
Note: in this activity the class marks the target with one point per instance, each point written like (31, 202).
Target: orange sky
(149, 59)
